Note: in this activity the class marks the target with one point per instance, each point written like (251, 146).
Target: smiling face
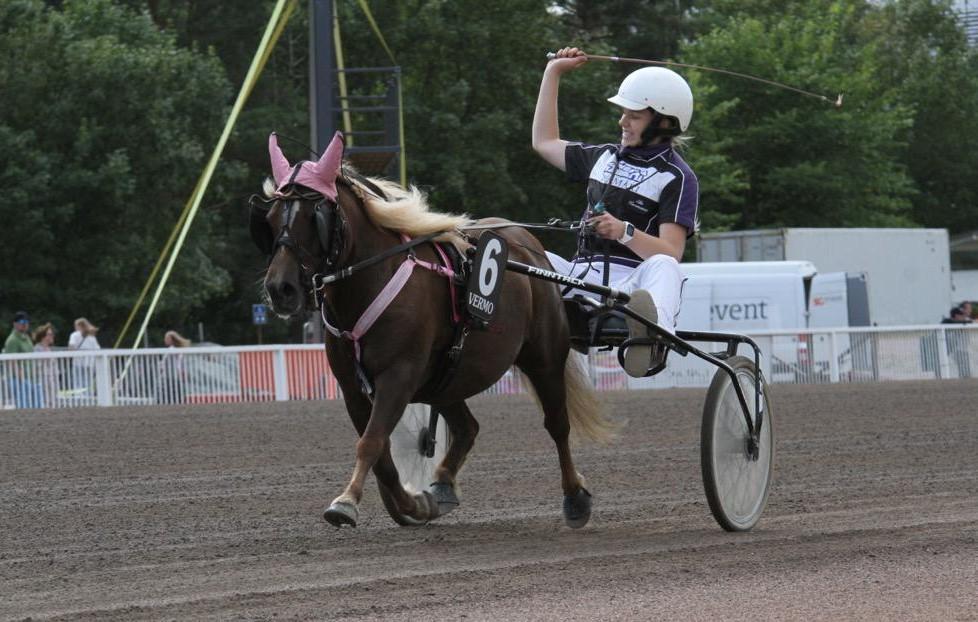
(633, 123)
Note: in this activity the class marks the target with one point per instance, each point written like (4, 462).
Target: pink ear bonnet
(319, 176)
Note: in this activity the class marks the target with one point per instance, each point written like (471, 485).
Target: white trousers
(660, 275)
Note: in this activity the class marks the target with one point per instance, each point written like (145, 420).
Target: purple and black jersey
(652, 185)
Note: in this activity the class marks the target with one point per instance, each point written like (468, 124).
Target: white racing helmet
(660, 89)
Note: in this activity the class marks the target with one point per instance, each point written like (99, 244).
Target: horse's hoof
(577, 509)
(341, 513)
(444, 495)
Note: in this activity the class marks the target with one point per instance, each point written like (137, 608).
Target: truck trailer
(908, 270)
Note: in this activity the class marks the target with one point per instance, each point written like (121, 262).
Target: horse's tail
(586, 416)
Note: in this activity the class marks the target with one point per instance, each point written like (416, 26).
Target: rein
(319, 281)
(554, 224)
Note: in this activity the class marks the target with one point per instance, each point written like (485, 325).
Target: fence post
(280, 376)
(834, 361)
(103, 381)
(945, 364)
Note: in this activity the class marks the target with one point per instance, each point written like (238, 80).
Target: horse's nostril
(288, 291)
(285, 296)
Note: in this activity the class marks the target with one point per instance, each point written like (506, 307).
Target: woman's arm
(546, 130)
(670, 241)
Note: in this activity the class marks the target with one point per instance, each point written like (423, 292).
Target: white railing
(847, 355)
(300, 372)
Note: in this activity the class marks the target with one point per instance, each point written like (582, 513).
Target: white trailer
(745, 296)
(965, 285)
(742, 297)
(908, 270)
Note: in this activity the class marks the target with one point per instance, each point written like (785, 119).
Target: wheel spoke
(415, 470)
(736, 484)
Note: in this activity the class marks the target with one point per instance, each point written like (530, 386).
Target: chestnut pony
(335, 241)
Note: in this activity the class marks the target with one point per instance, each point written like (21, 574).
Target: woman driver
(642, 198)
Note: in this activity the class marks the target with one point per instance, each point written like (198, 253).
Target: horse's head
(299, 225)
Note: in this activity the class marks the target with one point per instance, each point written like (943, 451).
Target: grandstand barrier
(214, 374)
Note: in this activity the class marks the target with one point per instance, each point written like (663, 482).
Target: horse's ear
(328, 166)
(280, 165)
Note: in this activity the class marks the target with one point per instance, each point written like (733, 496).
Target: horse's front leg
(393, 389)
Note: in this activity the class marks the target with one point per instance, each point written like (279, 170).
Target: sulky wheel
(418, 444)
(736, 482)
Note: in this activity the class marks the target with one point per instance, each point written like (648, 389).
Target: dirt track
(216, 513)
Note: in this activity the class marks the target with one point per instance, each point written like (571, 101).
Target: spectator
(83, 339)
(48, 368)
(173, 339)
(171, 385)
(959, 315)
(957, 340)
(19, 380)
(966, 310)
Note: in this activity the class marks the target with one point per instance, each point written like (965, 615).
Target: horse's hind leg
(463, 428)
(551, 390)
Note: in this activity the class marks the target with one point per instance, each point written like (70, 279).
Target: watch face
(629, 229)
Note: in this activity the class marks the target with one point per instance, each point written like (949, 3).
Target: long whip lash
(837, 102)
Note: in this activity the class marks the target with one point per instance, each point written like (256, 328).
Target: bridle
(319, 269)
(330, 227)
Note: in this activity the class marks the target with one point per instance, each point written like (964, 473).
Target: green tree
(922, 48)
(651, 29)
(105, 127)
(796, 161)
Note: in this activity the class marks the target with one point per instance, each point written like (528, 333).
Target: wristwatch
(628, 234)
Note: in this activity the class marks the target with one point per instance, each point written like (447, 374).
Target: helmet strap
(654, 130)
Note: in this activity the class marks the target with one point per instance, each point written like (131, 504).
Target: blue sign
(259, 314)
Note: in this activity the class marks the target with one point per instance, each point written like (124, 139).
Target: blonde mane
(404, 211)
(407, 211)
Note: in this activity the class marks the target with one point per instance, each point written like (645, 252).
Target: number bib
(487, 276)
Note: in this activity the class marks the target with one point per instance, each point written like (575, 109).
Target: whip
(837, 102)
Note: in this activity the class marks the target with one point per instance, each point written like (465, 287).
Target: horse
(342, 243)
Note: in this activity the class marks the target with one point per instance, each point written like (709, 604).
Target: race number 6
(489, 269)
(486, 278)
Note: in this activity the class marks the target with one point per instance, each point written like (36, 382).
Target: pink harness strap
(389, 293)
(446, 271)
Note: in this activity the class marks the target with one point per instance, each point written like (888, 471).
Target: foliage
(652, 29)
(111, 104)
(801, 162)
(923, 50)
(101, 135)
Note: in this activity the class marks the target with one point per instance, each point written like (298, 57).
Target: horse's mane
(404, 211)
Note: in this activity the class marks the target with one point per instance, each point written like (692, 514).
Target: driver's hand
(567, 59)
(607, 226)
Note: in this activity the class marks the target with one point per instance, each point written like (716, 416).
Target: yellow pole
(268, 39)
(279, 27)
(341, 78)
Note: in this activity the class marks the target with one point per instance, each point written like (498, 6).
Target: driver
(642, 198)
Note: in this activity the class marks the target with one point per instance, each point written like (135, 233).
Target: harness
(387, 296)
(330, 228)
